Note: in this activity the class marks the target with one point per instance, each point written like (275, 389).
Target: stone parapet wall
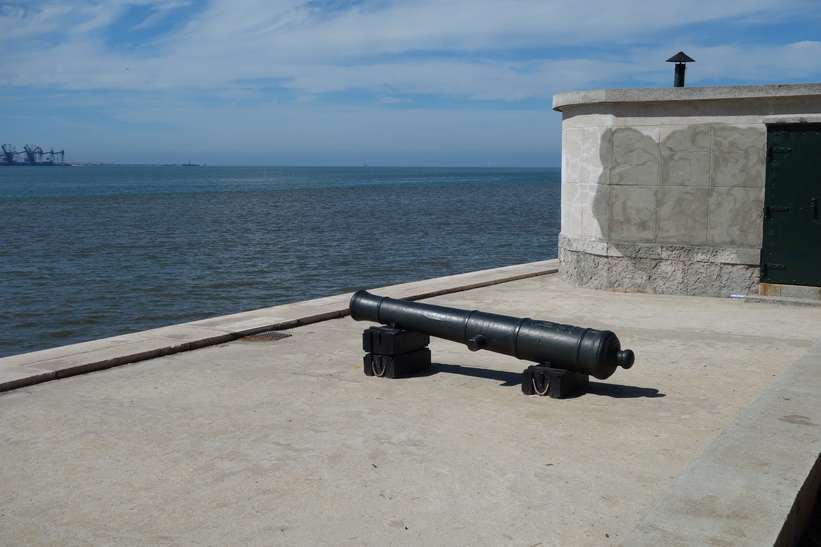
(663, 189)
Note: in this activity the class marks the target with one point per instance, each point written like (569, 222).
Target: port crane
(10, 154)
(31, 155)
(51, 156)
(34, 154)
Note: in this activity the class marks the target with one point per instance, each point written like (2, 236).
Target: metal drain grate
(270, 336)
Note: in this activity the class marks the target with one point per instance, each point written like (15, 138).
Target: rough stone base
(672, 269)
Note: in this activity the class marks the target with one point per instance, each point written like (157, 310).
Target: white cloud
(246, 39)
(254, 67)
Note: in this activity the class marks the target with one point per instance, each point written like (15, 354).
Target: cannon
(564, 353)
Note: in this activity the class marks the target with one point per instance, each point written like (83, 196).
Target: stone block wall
(663, 189)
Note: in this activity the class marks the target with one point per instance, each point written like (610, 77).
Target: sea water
(94, 251)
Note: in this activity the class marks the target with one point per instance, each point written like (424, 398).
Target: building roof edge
(673, 94)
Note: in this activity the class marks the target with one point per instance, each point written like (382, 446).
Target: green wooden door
(791, 251)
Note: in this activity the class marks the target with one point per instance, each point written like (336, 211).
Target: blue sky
(347, 82)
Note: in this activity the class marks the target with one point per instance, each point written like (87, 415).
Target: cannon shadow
(618, 391)
(508, 379)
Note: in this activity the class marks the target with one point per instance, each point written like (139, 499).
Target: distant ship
(31, 155)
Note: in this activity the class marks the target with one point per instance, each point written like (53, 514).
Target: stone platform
(712, 438)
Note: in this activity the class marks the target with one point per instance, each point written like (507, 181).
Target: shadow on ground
(509, 379)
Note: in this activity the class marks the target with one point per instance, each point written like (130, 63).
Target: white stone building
(692, 190)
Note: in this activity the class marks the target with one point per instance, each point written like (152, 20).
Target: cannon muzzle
(575, 349)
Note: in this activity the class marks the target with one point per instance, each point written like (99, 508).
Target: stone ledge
(18, 371)
(742, 491)
(796, 292)
(784, 300)
(671, 94)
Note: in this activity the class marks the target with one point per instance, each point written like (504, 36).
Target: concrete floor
(287, 442)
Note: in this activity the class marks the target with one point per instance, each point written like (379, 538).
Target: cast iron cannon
(556, 347)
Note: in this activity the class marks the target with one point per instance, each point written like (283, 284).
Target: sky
(352, 82)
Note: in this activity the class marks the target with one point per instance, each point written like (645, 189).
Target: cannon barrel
(576, 349)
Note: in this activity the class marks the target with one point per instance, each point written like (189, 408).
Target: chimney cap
(680, 57)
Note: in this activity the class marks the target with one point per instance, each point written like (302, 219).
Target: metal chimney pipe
(680, 59)
(678, 77)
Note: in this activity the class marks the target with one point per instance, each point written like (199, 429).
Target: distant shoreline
(106, 164)
(99, 164)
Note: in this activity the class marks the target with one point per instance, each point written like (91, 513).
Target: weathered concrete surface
(289, 443)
